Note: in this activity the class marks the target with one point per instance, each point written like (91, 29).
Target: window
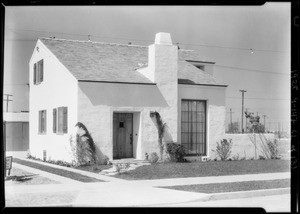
(60, 120)
(193, 126)
(42, 121)
(38, 72)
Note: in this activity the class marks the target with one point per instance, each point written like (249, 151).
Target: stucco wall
(243, 147)
(215, 101)
(59, 88)
(98, 118)
(163, 61)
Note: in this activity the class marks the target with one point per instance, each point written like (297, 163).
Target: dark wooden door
(122, 135)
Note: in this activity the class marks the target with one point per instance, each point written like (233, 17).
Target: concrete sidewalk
(121, 193)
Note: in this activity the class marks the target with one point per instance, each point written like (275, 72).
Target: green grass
(202, 169)
(233, 187)
(56, 171)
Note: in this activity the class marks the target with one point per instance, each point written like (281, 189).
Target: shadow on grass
(20, 178)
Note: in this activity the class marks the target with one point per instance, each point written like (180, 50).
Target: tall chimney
(163, 70)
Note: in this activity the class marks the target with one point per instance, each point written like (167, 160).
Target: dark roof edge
(134, 83)
(203, 84)
(200, 61)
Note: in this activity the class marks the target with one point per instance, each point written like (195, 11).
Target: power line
(252, 70)
(251, 98)
(236, 48)
(123, 38)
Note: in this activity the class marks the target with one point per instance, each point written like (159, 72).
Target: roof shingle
(96, 61)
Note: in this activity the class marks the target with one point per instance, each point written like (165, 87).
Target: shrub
(176, 150)
(83, 147)
(261, 157)
(236, 157)
(224, 149)
(273, 148)
(153, 157)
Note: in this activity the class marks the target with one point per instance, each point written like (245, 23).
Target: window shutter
(45, 121)
(34, 73)
(65, 120)
(39, 122)
(41, 70)
(60, 121)
(54, 119)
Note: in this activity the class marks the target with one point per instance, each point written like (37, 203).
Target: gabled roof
(95, 61)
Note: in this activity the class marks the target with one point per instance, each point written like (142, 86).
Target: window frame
(42, 122)
(61, 120)
(194, 132)
(38, 72)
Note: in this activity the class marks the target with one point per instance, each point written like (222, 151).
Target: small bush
(261, 157)
(176, 150)
(224, 149)
(236, 157)
(273, 148)
(153, 157)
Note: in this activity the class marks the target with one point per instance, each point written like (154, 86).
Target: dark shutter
(40, 121)
(65, 120)
(54, 119)
(41, 70)
(44, 121)
(60, 120)
(34, 73)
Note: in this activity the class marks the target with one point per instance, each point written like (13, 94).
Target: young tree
(161, 127)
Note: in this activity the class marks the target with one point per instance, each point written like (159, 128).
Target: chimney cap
(163, 39)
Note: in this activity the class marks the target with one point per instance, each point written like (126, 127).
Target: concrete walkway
(120, 193)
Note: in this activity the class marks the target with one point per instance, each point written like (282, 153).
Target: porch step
(128, 160)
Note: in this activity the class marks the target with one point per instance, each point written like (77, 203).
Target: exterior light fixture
(152, 113)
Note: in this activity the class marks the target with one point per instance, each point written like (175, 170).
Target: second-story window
(38, 72)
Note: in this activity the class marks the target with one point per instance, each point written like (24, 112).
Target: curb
(245, 194)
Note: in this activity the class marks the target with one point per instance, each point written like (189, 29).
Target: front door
(122, 135)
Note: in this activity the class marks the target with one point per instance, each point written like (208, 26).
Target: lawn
(56, 171)
(21, 177)
(233, 187)
(202, 169)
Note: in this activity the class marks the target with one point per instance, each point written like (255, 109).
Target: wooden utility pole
(242, 125)
(246, 120)
(265, 121)
(7, 100)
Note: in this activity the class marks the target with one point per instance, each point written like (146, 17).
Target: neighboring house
(16, 132)
(112, 89)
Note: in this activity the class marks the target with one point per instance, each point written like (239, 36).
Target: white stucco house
(113, 88)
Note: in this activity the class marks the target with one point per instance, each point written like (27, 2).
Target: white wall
(59, 88)
(244, 148)
(96, 108)
(16, 116)
(215, 115)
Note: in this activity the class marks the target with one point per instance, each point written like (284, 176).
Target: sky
(249, 44)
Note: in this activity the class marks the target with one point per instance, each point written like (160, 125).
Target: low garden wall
(243, 147)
